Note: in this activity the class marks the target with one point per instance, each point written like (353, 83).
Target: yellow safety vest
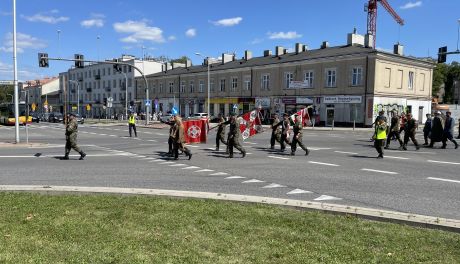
(381, 133)
(132, 120)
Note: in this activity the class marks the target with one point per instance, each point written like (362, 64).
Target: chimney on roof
(354, 39)
(325, 45)
(267, 53)
(176, 65)
(369, 41)
(279, 51)
(188, 63)
(398, 49)
(298, 48)
(247, 55)
(304, 48)
(227, 58)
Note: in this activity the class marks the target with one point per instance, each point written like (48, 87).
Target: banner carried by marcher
(250, 124)
(304, 117)
(195, 131)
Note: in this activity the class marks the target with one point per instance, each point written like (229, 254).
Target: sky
(103, 29)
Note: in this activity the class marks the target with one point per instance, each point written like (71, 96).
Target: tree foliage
(446, 74)
(6, 91)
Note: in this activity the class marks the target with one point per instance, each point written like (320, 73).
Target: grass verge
(36, 228)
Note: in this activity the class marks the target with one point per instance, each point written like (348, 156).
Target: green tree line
(6, 91)
(446, 75)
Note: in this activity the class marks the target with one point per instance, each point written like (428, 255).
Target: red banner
(304, 117)
(250, 124)
(195, 131)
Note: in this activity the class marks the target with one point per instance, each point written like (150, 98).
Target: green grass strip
(36, 228)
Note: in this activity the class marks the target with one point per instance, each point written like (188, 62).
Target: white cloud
(283, 35)
(256, 41)
(139, 31)
(96, 20)
(411, 5)
(23, 42)
(6, 73)
(190, 33)
(46, 18)
(228, 22)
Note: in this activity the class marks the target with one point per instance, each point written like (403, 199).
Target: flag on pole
(195, 131)
(250, 124)
(304, 117)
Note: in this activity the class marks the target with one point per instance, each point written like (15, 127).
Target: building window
(288, 78)
(201, 86)
(222, 85)
(154, 88)
(410, 84)
(114, 83)
(182, 87)
(247, 83)
(308, 79)
(356, 76)
(331, 77)
(124, 68)
(422, 82)
(192, 86)
(86, 75)
(129, 96)
(400, 79)
(265, 85)
(114, 97)
(108, 71)
(161, 88)
(212, 85)
(130, 82)
(129, 69)
(103, 72)
(234, 84)
(387, 77)
(171, 87)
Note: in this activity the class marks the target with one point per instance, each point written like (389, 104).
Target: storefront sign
(304, 100)
(299, 85)
(263, 102)
(289, 100)
(342, 99)
(224, 100)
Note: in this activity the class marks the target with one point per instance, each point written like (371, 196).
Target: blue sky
(103, 29)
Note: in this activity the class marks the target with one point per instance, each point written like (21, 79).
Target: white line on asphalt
(190, 168)
(326, 198)
(148, 159)
(166, 162)
(441, 179)
(345, 152)
(418, 152)
(159, 134)
(298, 191)
(178, 165)
(394, 157)
(275, 157)
(253, 181)
(140, 156)
(273, 185)
(218, 174)
(235, 177)
(380, 171)
(204, 170)
(112, 135)
(102, 134)
(325, 164)
(152, 140)
(318, 148)
(158, 160)
(444, 162)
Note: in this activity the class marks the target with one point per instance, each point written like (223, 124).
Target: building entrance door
(329, 116)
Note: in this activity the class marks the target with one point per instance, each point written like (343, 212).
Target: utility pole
(15, 62)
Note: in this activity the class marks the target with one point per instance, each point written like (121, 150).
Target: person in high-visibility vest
(380, 136)
(132, 124)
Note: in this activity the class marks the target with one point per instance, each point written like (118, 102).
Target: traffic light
(116, 67)
(442, 56)
(79, 61)
(43, 60)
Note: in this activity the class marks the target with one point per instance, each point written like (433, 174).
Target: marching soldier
(297, 139)
(285, 126)
(71, 132)
(178, 138)
(171, 124)
(427, 129)
(448, 133)
(394, 130)
(234, 136)
(380, 136)
(409, 131)
(220, 136)
(276, 132)
(436, 129)
(132, 124)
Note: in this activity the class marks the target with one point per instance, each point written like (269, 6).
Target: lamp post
(458, 32)
(209, 79)
(78, 94)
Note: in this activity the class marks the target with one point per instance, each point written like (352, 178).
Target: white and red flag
(250, 124)
(195, 131)
(304, 117)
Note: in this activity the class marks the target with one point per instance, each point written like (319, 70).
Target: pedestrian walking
(285, 127)
(178, 138)
(380, 134)
(458, 129)
(276, 132)
(402, 122)
(234, 136)
(132, 124)
(448, 133)
(427, 129)
(409, 131)
(381, 116)
(394, 130)
(71, 132)
(437, 129)
(171, 124)
(297, 138)
(220, 135)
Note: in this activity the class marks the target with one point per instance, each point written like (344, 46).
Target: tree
(453, 74)
(4, 90)
(439, 77)
(182, 59)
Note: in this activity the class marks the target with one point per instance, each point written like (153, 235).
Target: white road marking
(112, 135)
(235, 177)
(275, 157)
(140, 156)
(380, 171)
(152, 140)
(253, 181)
(204, 170)
(193, 146)
(393, 157)
(148, 159)
(318, 148)
(159, 134)
(325, 164)
(178, 165)
(102, 134)
(441, 179)
(190, 168)
(444, 162)
(274, 185)
(345, 152)
(218, 174)
(298, 191)
(158, 160)
(326, 198)
(166, 162)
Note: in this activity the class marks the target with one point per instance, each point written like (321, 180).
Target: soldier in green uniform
(409, 132)
(234, 136)
(220, 136)
(171, 124)
(178, 138)
(71, 132)
(276, 132)
(297, 139)
(285, 127)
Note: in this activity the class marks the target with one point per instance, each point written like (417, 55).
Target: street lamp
(209, 79)
(78, 94)
(458, 32)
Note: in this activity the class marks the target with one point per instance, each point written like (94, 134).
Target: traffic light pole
(42, 64)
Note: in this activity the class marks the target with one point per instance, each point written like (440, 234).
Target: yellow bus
(7, 114)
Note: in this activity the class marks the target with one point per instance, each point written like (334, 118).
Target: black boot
(82, 155)
(456, 144)
(66, 157)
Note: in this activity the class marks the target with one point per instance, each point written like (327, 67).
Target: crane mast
(371, 9)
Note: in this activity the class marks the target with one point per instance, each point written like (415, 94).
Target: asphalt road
(341, 168)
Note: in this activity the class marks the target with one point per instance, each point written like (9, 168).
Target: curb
(366, 213)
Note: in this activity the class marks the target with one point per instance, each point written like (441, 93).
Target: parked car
(35, 117)
(56, 118)
(79, 118)
(45, 117)
(166, 118)
(199, 116)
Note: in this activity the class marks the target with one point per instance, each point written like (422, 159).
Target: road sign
(109, 104)
(110, 99)
(147, 102)
(74, 107)
(88, 107)
(33, 106)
